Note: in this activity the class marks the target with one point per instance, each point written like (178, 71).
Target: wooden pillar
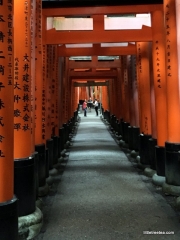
(113, 96)
(172, 72)
(69, 96)
(110, 93)
(172, 145)
(131, 80)
(49, 66)
(53, 91)
(145, 99)
(152, 96)
(57, 103)
(46, 120)
(6, 104)
(122, 88)
(119, 106)
(116, 107)
(22, 81)
(153, 140)
(39, 94)
(144, 87)
(65, 92)
(52, 102)
(22, 109)
(126, 88)
(73, 93)
(132, 110)
(125, 98)
(74, 96)
(134, 104)
(135, 91)
(61, 100)
(44, 53)
(158, 55)
(105, 98)
(8, 202)
(32, 29)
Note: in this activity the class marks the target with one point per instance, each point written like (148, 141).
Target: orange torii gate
(164, 74)
(99, 35)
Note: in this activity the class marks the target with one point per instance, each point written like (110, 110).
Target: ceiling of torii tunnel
(78, 3)
(61, 23)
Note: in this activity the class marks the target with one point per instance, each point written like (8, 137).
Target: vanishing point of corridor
(100, 194)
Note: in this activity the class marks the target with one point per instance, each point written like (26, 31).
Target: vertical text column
(22, 80)
(172, 145)
(144, 98)
(159, 75)
(6, 102)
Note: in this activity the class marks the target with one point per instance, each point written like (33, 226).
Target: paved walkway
(102, 196)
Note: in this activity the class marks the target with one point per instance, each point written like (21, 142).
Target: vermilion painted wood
(22, 103)
(93, 64)
(144, 87)
(39, 78)
(96, 50)
(173, 90)
(98, 36)
(6, 109)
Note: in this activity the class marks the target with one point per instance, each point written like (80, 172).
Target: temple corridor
(101, 194)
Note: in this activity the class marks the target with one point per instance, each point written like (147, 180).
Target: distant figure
(89, 104)
(84, 107)
(96, 106)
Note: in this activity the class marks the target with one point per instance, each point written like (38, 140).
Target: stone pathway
(102, 196)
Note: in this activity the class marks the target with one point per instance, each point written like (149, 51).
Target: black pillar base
(59, 147)
(126, 125)
(49, 145)
(40, 148)
(36, 159)
(172, 163)
(130, 137)
(65, 132)
(9, 219)
(160, 156)
(25, 185)
(152, 143)
(108, 116)
(144, 151)
(136, 133)
(55, 150)
(119, 129)
(47, 163)
(62, 138)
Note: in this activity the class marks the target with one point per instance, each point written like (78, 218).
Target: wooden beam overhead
(97, 50)
(98, 64)
(90, 80)
(105, 10)
(93, 75)
(109, 36)
(88, 84)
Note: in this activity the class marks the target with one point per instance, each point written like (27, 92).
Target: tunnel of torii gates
(40, 88)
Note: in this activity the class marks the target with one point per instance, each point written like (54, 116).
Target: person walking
(89, 104)
(84, 107)
(96, 106)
